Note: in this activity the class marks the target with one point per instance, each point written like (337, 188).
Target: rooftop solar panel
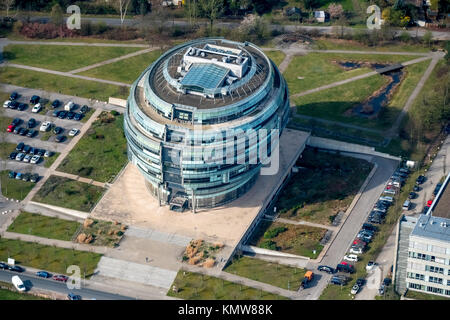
(205, 76)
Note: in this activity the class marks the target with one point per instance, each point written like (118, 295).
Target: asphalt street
(33, 282)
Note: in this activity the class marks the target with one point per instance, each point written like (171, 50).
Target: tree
(335, 10)
(310, 4)
(7, 5)
(57, 15)
(211, 9)
(123, 8)
(427, 37)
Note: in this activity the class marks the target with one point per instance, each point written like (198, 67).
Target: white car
(356, 251)
(18, 283)
(27, 158)
(386, 198)
(45, 126)
(35, 159)
(47, 153)
(37, 107)
(355, 289)
(73, 132)
(69, 106)
(6, 103)
(370, 265)
(351, 257)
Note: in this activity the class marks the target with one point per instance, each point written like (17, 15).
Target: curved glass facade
(198, 137)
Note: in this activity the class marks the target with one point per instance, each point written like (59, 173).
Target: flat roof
(206, 76)
(442, 206)
(432, 227)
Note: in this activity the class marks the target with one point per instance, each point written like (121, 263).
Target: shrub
(269, 244)
(272, 233)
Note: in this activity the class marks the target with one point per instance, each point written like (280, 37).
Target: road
(351, 226)
(33, 282)
(114, 22)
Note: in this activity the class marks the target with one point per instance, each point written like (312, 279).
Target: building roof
(205, 76)
(433, 228)
(441, 205)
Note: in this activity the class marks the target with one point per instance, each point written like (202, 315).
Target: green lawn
(276, 56)
(68, 193)
(326, 186)
(6, 294)
(278, 275)
(423, 296)
(289, 238)
(50, 258)
(127, 70)
(43, 226)
(15, 189)
(319, 69)
(61, 84)
(6, 148)
(194, 286)
(101, 152)
(338, 44)
(62, 58)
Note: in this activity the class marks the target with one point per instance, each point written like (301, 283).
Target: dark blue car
(43, 274)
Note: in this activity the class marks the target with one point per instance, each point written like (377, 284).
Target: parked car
(84, 109)
(6, 103)
(31, 123)
(78, 116)
(62, 114)
(16, 268)
(26, 148)
(45, 126)
(20, 156)
(360, 282)
(417, 188)
(412, 195)
(3, 266)
(41, 152)
(13, 155)
(13, 105)
(17, 130)
(34, 178)
(37, 107)
(436, 190)
(370, 265)
(35, 99)
(406, 205)
(56, 113)
(72, 296)
(23, 131)
(381, 289)
(43, 274)
(70, 115)
(22, 106)
(35, 159)
(355, 289)
(26, 176)
(48, 153)
(387, 281)
(420, 179)
(56, 103)
(73, 132)
(351, 257)
(388, 199)
(338, 280)
(20, 146)
(27, 158)
(69, 106)
(60, 277)
(14, 96)
(57, 130)
(31, 133)
(16, 121)
(358, 250)
(12, 175)
(326, 269)
(60, 138)
(18, 283)
(10, 128)
(345, 267)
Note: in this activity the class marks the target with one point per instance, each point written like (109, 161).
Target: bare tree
(123, 8)
(7, 5)
(335, 10)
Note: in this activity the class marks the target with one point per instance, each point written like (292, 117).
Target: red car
(359, 242)
(429, 202)
(10, 128)
(60, 277)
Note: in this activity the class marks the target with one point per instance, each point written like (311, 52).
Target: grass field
(60, 84)
(127, 70)
(101, 152)
(43, 226)
(296, 239)
(15, 189)
(50, 258)
(68, 193)
(423, 296)
(6, 294)
(194, 286)
(61, 58)
(326, 186)
(320, 69)
(278, 275)
(276, 56)
(6, 148)
(338, 44)
(49, 161)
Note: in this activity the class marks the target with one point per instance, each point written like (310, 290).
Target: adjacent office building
(181, 111)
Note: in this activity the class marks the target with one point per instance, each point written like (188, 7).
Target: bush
(268, 244)
(272, 233)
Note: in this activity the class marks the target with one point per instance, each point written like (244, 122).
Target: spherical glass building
(195, 121)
